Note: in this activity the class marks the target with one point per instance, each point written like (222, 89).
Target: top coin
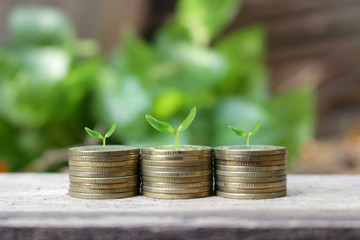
(250, 150)
(180, 150)
(98, 150)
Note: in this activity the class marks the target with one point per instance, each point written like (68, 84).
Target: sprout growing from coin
(96, 134)
(241, 133)
(162, 126)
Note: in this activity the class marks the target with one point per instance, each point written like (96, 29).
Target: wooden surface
(36, 206)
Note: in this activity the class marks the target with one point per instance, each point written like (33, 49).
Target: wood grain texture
(36, 206)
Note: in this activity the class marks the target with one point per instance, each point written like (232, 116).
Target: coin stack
(182, 172)
(109, 172)
(250, 172)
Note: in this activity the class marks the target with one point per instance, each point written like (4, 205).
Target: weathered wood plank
(35, 206)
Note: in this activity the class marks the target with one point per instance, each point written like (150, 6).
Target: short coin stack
(104, 173)
(250, 172)
(182, 172)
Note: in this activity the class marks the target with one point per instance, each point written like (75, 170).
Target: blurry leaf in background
(135, 57)
(244, 51)
(121, 99)
(43, 82)
(204, 19)
(39, 26)
(194, 67)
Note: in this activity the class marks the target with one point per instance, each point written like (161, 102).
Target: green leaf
(111, 131)
(255, 128)
(28, 27)
(93, 134)
(161, 126)
(188, 120)
(237, 131)
(204, 19)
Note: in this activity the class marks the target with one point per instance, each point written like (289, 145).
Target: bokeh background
(68, 64)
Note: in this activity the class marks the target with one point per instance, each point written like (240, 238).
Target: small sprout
(96, 134)
(239, 132)
(162, 126)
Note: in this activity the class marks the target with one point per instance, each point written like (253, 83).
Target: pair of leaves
(163, 126)
(243, 134)
(96, 134)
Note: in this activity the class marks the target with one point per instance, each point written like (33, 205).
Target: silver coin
(180, 150)
(98, 150)
(250, 150)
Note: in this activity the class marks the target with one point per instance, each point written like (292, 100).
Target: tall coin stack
(250, 172)
(182, 172)
(104, 173)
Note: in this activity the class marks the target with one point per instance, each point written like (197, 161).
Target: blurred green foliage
(52, 84)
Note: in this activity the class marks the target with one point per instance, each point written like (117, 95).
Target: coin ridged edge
(249, 174)
(177, 180)
(104, 180)
(102, 196)
(250, 196)
(177, 185)
(176, 174)
(176, 190)
(176, 196)
(176, 163)
(251, 185)
(252, 191)
(251, 179)
(103, 191)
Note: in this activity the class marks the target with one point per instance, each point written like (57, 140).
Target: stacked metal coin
(250, 172)
(104, 173)
(182, 172)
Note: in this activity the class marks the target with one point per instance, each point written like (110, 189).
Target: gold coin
(105, 185)
(250, 163)
(176, 190)
(249, 169)
(103, 196)
(177, 150)
(104, 169)
(98, 150)
(177, 180)
(177, 196)
(251, 196)
(189, 158)
(250, 158)
(175, 169)
(249, 174)
(103, 164)
(104, 180)
(240, 190)
(250, 150)
(250, 179)
(250, 185)
(177, 185)
(105, 159)
(176, 174)
(177, 163)
(102, 191)
(103, 174)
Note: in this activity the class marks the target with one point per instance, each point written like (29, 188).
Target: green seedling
(239, 132)
(96, 134)
(162, 126)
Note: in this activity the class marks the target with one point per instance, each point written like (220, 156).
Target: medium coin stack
(109, 172)
(182, 172)
(250, 172)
